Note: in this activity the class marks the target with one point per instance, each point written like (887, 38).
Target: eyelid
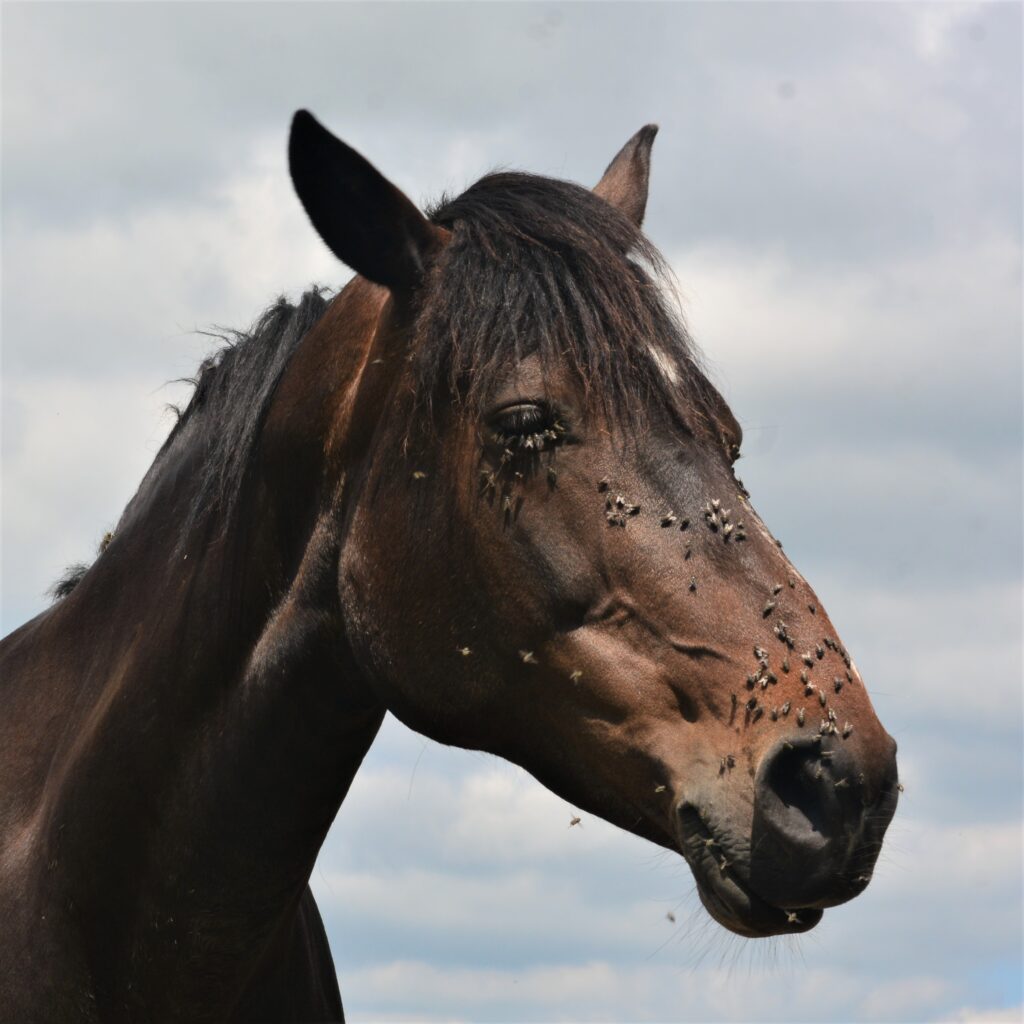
(521, 413)
(520, 421)
(514, 403)
(525, 425)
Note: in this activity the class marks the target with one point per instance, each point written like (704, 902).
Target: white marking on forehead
(662, 361)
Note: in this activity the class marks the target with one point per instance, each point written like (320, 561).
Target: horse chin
(726, 896)
(743, 912)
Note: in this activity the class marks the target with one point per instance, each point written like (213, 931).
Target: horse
(487, 487)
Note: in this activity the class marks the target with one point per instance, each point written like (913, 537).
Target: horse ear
(624, 184)
(367, 222)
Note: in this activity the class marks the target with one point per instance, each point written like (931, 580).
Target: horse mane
(68, 580)
(534, 265)
(539, 265)
(232, 391)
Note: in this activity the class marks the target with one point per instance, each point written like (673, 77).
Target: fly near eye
(526, 427)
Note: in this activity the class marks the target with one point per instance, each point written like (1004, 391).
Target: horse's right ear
(624, 184)
(366, 222)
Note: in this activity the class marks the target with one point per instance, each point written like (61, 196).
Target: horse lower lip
(729, 900)
(742, 911)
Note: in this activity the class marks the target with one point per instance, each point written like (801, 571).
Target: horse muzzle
(819, 819)
(816, 830)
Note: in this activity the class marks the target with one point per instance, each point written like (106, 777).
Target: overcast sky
(838, 190)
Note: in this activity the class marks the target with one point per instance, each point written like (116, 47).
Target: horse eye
(527, 426)
(526, 418)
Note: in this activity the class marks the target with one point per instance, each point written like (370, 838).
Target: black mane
(233, 391)
(233, 388)
(69, 579)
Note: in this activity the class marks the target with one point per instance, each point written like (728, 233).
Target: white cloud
(600, 991)
(920, 655)
(75, 451)
(490, 909)
(130, 286)
(785, 336)
(935, 26)
(969, 1015)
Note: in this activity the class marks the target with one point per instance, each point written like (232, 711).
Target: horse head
(546, 553)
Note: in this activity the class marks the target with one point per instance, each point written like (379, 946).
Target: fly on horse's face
(550, 557)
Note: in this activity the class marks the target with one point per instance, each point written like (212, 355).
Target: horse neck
(214, 725)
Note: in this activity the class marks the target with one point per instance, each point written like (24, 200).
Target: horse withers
(486, 487)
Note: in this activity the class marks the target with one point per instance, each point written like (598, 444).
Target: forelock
(542, 267)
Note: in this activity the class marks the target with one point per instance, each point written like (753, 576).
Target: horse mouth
(726, 896)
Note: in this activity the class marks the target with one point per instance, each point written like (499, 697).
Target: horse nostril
(807, 810)
(796, 795)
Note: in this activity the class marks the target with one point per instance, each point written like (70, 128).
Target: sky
(836, 187)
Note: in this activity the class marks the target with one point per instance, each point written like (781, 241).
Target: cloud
(844, 112)
(599, 991)
(919, 659)
(879, 348)
(131, 287)
(937, 26)
(968, 1015)
(74, 452)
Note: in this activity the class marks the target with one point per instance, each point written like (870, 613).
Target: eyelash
(527, 427)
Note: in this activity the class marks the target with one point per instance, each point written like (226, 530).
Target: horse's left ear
(624, 184)
(367, 222)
